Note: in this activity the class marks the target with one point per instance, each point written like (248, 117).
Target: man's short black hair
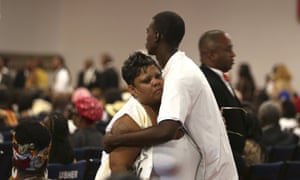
(209, 37)
(171, 26)
(134, 64)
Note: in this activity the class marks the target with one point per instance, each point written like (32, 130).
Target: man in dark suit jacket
(217, 58)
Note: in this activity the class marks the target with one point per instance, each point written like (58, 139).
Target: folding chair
(92, 168)
(94, 153)
(292, 170)
(297, 154)
(5, 159)
(265, 171)
(79, 153)
(282, 153)
(74, 171)
(85, 153)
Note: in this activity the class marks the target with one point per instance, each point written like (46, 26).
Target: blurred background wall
(263, 32)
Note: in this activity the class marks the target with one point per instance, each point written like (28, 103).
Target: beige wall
(29, 26)
(264, 32)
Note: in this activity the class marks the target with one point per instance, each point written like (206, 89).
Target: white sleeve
(61, 83)
(176, 100)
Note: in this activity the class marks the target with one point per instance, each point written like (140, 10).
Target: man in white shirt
(62, 78)
(187, 103)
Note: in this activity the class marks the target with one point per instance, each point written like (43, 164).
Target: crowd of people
(180, 121)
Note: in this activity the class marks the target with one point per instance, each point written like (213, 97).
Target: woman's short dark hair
(134, 64)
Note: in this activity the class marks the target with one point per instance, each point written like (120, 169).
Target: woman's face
(148, 86)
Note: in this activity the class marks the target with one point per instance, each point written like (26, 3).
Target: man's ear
(211, 54)
(132, 90)
(158, 36)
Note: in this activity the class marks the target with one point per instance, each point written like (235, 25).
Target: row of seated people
(52, 122)
(82, 118)
(278, 153)
(85, 113)
(71, 140)
(57, 121)
(277, 125)
(30, 154)
(32, 148)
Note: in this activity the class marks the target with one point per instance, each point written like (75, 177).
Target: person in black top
(88, 76)
(61, 149)
(108, 76)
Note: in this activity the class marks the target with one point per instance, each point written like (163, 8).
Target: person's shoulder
(76, 135)
(133, 105)
(124, 125)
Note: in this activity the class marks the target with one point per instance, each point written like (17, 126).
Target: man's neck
(164, 56)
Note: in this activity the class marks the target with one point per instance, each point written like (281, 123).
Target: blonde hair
(282, 72)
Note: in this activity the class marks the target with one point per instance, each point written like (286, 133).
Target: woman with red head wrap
(88, 111)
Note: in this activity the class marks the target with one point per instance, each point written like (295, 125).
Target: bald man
(217, 58)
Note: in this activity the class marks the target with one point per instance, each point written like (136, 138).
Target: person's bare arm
(163, 132)
(121, 159)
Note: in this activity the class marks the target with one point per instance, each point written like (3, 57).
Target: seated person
(31, 147)
(8, 118)
(288, 121)
(145, 83)
(61, 149)
(88, 111)
(70, 107)
(269, 115)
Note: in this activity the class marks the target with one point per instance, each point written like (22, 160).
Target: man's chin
(228, 69)
(150, 53)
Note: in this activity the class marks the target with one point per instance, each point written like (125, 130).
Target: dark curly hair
(134, 64)
(30, 131)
